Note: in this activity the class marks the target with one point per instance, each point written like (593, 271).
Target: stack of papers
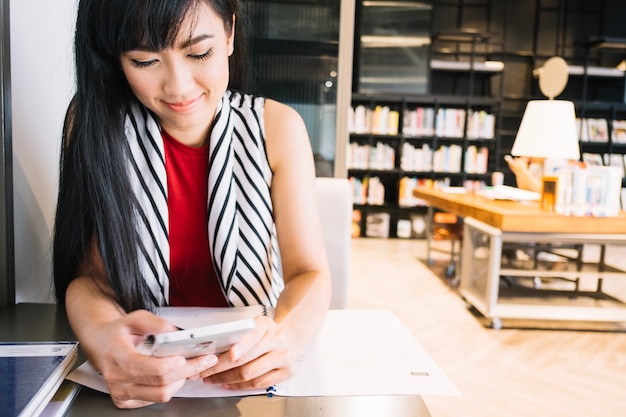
(505, 192)
(356, 353)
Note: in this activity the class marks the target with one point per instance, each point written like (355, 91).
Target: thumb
(143, 322)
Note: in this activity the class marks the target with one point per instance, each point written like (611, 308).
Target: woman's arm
(109, 338)
(524, 178)
(302, 305)
(268, 355)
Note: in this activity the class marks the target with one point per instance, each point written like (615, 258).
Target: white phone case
(213, 339)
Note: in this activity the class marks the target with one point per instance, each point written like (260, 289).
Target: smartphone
(189, 343)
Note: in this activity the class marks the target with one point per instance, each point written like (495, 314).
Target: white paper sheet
(357, 352)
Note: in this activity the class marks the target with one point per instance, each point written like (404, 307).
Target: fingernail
(234, 353)
(209, 361)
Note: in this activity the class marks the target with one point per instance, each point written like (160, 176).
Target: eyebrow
(197, 39)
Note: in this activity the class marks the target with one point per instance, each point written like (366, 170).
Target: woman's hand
(134, 379)
(523, 177)
(262, 358)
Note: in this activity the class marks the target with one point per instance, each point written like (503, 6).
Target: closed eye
(142, 64)
(202, 57)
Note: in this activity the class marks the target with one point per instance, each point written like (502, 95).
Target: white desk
(488, 225)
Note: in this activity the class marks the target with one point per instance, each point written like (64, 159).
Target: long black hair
(95, 201)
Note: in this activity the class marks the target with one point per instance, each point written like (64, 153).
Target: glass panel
(480, 261)
(394, 44)
(295, 48)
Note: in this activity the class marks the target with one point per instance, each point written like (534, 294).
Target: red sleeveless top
(193, 279)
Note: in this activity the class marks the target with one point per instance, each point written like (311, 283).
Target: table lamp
(548, 130)
(548, 127)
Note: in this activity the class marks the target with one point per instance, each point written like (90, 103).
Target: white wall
(42, 85)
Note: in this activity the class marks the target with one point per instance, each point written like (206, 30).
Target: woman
(157, 133)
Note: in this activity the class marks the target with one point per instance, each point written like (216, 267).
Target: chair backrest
(334, 198)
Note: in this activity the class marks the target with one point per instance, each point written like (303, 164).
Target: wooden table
(489, 224)
(512, 216)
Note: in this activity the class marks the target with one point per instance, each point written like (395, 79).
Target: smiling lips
(183, 106)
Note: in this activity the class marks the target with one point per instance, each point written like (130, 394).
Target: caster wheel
(496, 323)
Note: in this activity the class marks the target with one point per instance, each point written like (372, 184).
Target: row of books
(378, 225)
(381, 120)
(447, 158)
(615, 160)
(370, 190)
(367, 190)
(422, 121)
(584, 191)
(597, 130)
(363, 156)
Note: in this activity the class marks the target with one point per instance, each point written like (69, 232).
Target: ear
(231, 38)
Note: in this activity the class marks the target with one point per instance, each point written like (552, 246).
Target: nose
(177, 79)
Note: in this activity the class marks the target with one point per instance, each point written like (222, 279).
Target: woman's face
(184, 84)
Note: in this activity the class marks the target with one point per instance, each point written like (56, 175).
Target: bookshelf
(397, 142)
(439, 131)
(480, 55)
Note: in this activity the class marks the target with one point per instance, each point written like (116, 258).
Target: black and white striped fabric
(242, 234)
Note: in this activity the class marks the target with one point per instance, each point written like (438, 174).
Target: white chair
(334, 198)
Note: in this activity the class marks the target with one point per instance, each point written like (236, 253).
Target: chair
(334, 199)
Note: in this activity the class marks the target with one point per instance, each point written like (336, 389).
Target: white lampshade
(548, 130)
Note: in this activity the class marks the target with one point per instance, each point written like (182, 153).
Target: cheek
(141, 84)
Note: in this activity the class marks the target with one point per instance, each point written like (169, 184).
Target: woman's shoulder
(271, 110)
(280, 116)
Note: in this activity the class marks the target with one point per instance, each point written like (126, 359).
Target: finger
(251, 370)
(249, 340)
(128, 404)
(135, 395)
(162, 371)
(144, 322)
(262, 382)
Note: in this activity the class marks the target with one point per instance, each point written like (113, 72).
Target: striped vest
(242, 234)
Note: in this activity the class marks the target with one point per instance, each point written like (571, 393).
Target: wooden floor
(507, 372)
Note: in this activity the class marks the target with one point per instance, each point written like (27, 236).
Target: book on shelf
(416, 159)
(592, 159)
(450, 123)
(403, 228)
(419, 122)
(367, 190)
(598, 130)
(418, 226)
(377, 225)
(31, 374)
(588, 191)
(447, 158)
(476, 159)
(480, 125)
(382, 120)
(406, 186)
(615, 160)
(618, 132)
